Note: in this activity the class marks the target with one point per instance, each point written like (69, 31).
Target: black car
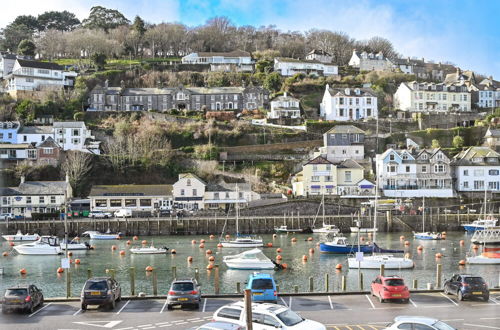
(101, 291)
(467, 286)
(25, 298)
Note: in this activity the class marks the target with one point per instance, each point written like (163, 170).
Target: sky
(464, 32)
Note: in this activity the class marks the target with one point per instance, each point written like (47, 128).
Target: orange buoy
(401, 238)
(274, 235)
(77, 261)
(304, 258)
(173, 251)
(12, 244)
(144, 242)
(210, 267)
(149, 269)
(60, 270)
(269, 244)
(228, 236)
(208, 252)
(294, 240)
(443, 233)
(407, 256)
(279, 257)
(129, 242)
(311, 250)
(370, 234)
(438, 255)
(462, 242)
(284, 266)
(407, 243)
(362, 239)
(202, 241)
(309, 239)
(318, 244)
(193, 241)
(212, 258)
(461, 263)
(212, 236)
(219, 245)
(202, 246)
(113, 247)
(420, 248)
(475, 246)
(5, 254)
(76, 238)
(190, 259)
(279, 250)
(122, 253)
(338, 266)
(70, 253)
(23, 271)
(135, 238)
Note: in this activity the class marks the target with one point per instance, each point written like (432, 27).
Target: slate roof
(12, 124)
(142, 91)
(35, 130)
(131, 190)
(191, 176)
(345, 129)
(493, 132)
(39, 65)
(69, 124)
(466, 157)
(295, 60)
(349, 163)
(234, 53)
(319, 52)
(318, 160)
(40, 188)
(223, 186)
(285, 98)
(48, 143)
(352, 91)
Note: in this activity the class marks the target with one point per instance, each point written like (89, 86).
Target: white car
(418, 322)
(123, 213)
(265, 317)
(100, 214)
(7, 216)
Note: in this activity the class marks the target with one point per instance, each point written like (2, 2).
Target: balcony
(415, 187)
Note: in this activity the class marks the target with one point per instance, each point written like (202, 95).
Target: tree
(379, 44)
(458, 142)
(272, 82)
(104, 18)
(139, 26)
(77, 165)
(99, 60)
(26, 47)
(58, 20)
(28, 21)
(13, 34)
(435, 144)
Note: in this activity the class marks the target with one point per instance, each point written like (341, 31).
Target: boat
(375, 261)
(425, 235)
(19, 236)
(251, 259)
(481, 224)
(75, 245)
(363, 230)
(489, 235)
(149, 250)
(339, 245)
(285, 229)
(46, 245)
(100, 236)
(485, 258)
(325, 229)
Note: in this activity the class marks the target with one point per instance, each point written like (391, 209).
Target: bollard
(132, 281)
(89, 273)
(174, 272)
(248, 308)
(296, 288)
(112, 272)
(311, 284)
(439, 269)
(327, 282)
(415, 284)
(216, 279)
(197, 274)
(382, 270)
(277, 288)
(238, 287)
(360, 282)
(68, 283)
(344, 283)
(155, 283)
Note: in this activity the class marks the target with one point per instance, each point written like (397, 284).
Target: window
(52, 199)
(407, 169)
(479, 172)
(75, 141)
(188, 182)
(25, 138)
(315, 168)
(115, 203)
(216, 195)
(30, 80)
(28, 200)
(43, 71)
(227, 195)
(328, 167)
(466, 172)
(328, 178)
(466, 184)
(424, 169)
(195, 192)
(41, 199)
(478, 185)
(391, 157)
(348, 177)
(392, 168)
(344, 152)
(493, 172)
(9, 135)
(439, 168)
(31, 153)
(182, 192)
(48, 151)
(130, 202)
(369, 101)
(315, 178)
(405, 326)
(145, 202)
(493, 185)
(76, 132)
(230, 313)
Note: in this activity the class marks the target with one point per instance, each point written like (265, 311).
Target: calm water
(42, 269)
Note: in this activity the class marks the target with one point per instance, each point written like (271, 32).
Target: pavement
(338, 312)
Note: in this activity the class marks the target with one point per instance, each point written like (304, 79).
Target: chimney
(67, 178)
(23, 179)
(284, 94)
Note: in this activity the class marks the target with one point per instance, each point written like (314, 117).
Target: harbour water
(41, 270)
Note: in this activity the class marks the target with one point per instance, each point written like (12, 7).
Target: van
(123, 213)
(263, 288)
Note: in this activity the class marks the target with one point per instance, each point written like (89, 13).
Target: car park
(263, 287)
(215, 325)
(123, 213)
(390, 288)
(265, 316)
(467, 286)
(418, 322)
(100, 214)
(100, 291)
(184, 292)
(24, 297)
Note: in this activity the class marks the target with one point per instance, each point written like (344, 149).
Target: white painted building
(348, 104)
(224, 195)
(289, 66)
(489, 93)
(74, 135)
(320, 56)
(431, 97)
(343, 142)
(477, 169)
(284, 107)
(7, 62)
(236, 60)
(188, 192)
(370, 62)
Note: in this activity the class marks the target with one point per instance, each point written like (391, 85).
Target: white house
(236, 60)
(489, 93)
(343, 142)
(34, 134)
(74, 135)
(431, 97)
(477, 169)
(347, 104)
(188, 192)
(18, 151)
(408, 173)
(370, 62)
(289, 67)
(284, 107)
(224, 195)
(492, 138)
(320, 56)
(7, 62)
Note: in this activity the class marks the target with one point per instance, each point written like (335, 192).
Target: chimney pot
(23, 179)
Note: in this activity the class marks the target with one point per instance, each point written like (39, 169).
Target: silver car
(418, 322)
(184, 292)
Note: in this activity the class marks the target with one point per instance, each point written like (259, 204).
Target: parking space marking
(494, 301)
(413, 303)
(153, 327)
(39, 310)
(481, 326)
(284, 302)
(144, 325)
(164, 305)
(123, 307)
(454, 303)
(330, 300)
(371, 302)
(77, 312)
(490, 318)
(165, 325)
(204, 304)
(290, 303)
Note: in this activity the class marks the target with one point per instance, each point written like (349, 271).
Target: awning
(329, 187)
(366, 186)
(224, 201)
(315, 187)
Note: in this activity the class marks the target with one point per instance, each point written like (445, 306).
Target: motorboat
(486, 258)
(75, 245)
(243, 242)
(285, 229)
(375, 261)
(489, 235)
(19, 236)
(102, 236)
(46, 245)
(326, 229)
(363, 230)
(480, 224)
(339, 245)
(251, 259)
(427, 236)
(149, 250)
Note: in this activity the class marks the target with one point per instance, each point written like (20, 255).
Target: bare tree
(77, 165)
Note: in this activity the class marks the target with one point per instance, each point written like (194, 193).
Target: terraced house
(180, 98)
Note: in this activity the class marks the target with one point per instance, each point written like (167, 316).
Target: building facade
(225, 196)
(347, 104)
(488, 93)
(320, 56)
(74, 135)
(8, 131)
(289, 66)
(236, 60)
(7, 62)
(370, 62)
(477, 169)
(343, 142)
(284, 107)
(189, 192)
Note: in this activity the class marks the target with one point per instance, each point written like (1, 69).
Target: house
(477, 169)
(8, 131)
(347, 104)
(343, 142)
(370, 62)
(35, 197)
(48, 152)
(432, 98)
(285, 110)
(135, 197)
(34, 134)
(320, 56)
(464, 78)
(224, 195)
(18, 151)
(492, 138)
(7, 62)
(488, 93)
(237, 60)
(290, 66)
(180, 98)
(411, 173)
(189, 192)
(74, 135)
(422, 69)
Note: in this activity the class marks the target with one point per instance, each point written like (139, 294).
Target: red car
(390, 288)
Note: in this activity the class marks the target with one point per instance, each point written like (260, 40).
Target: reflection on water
(42, 269)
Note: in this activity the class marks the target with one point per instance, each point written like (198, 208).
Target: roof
(15, 145)
(191, 176)
(284, 98)
(318, 160)
(9, 124)
(296, 60)
(234, 53)
(39, 65)
(141, 91)
(216, 90)
(345, 129)
(131, 190)
(351, 91)
(224, 186)
(48, 143)
(466, 157)
(8, 56)
(35, 130)
(426, 86)
(319, 52)
(37, 188)
(69, 124)
(493, 132)
(349, 163)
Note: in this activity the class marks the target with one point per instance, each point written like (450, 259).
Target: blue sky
(464, 32)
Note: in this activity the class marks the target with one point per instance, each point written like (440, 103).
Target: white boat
(363, 230)
(482, 260)
(327, 229)
(19, 236)
(100, 236)
(46, 245)
(75, 245)
(375, 261)
(481, 224)
(251, 259)
(425, 235)
(285, 229)
(149, 250)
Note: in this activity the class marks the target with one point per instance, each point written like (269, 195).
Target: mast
(375, 210)
(237, 210)
(323, 204)
(423, 215)
(485, 200)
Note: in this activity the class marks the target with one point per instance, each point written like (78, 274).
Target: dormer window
(405, 157)
(188, 183)
(347, 91)
(357, 91)
(391, 157)
(424, 156)
(477, 159)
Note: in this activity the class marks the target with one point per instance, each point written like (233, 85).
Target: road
(335, 311)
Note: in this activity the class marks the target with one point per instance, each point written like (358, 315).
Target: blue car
(263, 288)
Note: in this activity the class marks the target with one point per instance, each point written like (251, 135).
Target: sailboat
(376, 260)
(364, 230)
(325, 229)
(425, 234)
(284, 228)
(481, 224)
(241, 241)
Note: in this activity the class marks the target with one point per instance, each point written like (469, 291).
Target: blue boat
(480, 225)
(339, 245)
(427, 236)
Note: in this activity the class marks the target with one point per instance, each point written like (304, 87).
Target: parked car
(101, 291)
(467, 286)
(23, 297)
(390, 288)
(418, 322)
(7, 216)
(263, 287)
(265, 316)
(214, 325)
(123, 213)
(184, 292)
(100, 214)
